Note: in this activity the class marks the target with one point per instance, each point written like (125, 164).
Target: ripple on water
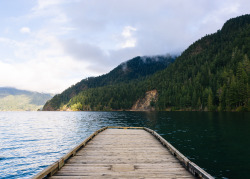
(30, 141)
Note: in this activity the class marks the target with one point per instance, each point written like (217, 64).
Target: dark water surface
(217, 142)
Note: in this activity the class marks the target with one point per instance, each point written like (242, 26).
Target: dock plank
(120, 153)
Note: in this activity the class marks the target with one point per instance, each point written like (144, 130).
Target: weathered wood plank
(131, 153)
(168, 165)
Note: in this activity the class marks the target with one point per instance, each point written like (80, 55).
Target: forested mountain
(212, 74)
(137, 68)
(12, 99)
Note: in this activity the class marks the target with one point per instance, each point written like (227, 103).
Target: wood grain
(123, 153)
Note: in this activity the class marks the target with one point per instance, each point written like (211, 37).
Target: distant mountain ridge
(6, 91)
(137, 68)
(12, 99)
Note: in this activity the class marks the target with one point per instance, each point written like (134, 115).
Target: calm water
(217, 142)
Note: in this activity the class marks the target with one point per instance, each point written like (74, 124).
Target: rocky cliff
(147, 103)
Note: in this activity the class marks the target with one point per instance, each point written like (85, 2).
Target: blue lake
(217, 142)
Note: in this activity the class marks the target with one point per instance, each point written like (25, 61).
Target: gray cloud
(75, 39)
(164, 26)
(84, 51)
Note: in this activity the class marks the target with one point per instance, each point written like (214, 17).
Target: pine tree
(210, 102)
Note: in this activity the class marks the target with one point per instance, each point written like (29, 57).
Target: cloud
(69, 40)
(47, 3)
(83, 51)
(25, 30)
(129, 40)
(127, 31)
(41, 66)
(39, 76)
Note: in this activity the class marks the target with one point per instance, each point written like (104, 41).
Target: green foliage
(137, 68)
(113, 97)
(210, 102)
(212, 74)
(17, 103)
(12, 99)
(76, 107)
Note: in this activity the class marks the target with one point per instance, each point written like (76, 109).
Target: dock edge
(190, 166)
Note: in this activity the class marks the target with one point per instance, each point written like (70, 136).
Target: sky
(49, 45)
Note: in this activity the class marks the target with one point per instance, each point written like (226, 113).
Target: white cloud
(39, 63)
(39, 76)
(129, 39)
(46, 70)
(129, 43)
(42, 4)
(25, 30)
(127, 31)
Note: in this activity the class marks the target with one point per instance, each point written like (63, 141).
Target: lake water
(217, 142)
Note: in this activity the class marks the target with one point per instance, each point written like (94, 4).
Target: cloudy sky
(48, 45)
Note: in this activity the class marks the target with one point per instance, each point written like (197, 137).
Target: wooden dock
(119, 153)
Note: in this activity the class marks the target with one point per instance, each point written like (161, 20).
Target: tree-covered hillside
(137, 68)
(212, 74)
(12, 99)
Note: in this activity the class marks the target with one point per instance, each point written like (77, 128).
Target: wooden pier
(119, 153)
